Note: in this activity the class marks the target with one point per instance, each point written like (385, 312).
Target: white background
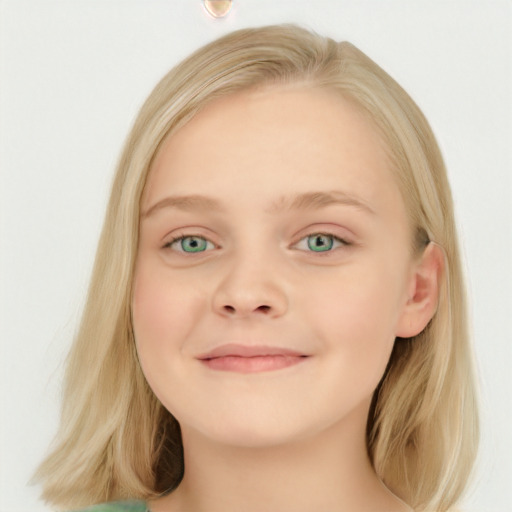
(73, 75)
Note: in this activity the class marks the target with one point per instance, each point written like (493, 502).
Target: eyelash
(335, 240)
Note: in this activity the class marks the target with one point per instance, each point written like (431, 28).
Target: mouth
(251, 359)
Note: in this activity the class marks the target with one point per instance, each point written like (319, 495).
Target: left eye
(190, 244)
(320, 242)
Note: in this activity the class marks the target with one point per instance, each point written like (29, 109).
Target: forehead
(270, 141)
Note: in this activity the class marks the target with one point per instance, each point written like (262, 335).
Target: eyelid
(333, 229)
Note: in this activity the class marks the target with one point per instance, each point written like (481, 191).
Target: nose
(250, 288)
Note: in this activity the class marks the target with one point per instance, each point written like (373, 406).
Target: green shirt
(118, 506)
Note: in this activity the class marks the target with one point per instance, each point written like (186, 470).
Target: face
(272, 222)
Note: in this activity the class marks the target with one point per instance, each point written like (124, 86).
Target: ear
(423, 292)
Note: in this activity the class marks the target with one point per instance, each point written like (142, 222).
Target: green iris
(320, 243)
(193, 244)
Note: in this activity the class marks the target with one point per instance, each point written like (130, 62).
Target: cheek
(356, 314)
(164, 311)
(153, 311)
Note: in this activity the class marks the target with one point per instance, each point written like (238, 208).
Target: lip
(251, 359)
(232, 349)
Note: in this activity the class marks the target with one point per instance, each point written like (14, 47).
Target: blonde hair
(117, 441)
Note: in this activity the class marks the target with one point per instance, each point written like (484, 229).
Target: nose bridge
(251, 283)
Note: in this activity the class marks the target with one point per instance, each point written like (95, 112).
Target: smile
(247, 359)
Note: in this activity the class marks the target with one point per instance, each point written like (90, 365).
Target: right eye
(189, 244)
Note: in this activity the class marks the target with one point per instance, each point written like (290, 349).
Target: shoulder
(117, 506)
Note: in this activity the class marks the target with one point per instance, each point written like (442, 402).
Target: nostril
(262, 309)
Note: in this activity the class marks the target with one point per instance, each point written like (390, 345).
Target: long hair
(117, 441)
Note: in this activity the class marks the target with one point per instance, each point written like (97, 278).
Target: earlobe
(424, 287)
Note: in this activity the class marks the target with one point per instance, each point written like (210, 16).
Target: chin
(254, 436)
(258, 429)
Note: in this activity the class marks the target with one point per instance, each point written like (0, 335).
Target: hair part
(117, 441)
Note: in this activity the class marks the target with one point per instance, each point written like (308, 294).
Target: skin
(289, 439)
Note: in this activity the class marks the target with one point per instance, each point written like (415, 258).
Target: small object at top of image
(218, 8)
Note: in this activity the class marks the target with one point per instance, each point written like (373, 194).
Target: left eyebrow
(315, 200)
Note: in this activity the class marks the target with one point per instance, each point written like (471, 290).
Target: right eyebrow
(187, 203)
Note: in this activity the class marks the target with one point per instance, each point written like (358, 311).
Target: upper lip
(232, 349)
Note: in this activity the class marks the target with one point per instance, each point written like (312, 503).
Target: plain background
(73, 75)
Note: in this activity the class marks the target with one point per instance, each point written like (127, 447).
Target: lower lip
(252, 364)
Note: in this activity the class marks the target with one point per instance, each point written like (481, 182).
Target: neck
(329, 470)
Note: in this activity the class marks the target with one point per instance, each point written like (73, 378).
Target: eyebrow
(186, 203)
(316, 200)
(306, 201)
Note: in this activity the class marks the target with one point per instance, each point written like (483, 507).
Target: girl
(276, 318)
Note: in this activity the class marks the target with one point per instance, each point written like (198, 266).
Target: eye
(189, 244)
(320, 242)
